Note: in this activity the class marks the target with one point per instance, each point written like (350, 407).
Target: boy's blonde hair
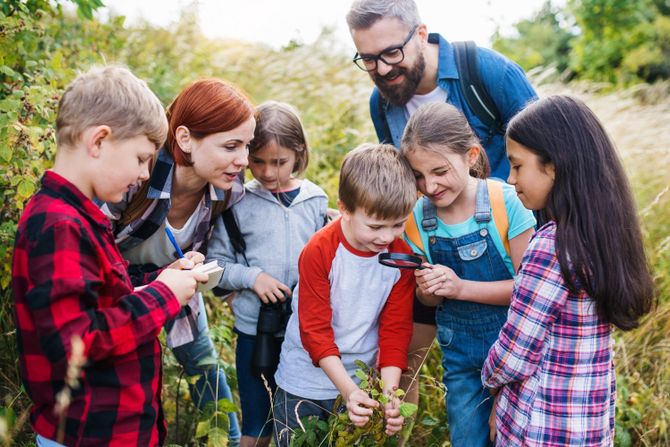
(375, 178)
(114, 97)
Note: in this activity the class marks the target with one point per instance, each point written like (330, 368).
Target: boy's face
(369, 233)
(121, 164)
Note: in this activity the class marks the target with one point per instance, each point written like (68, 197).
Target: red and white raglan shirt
(346, 304)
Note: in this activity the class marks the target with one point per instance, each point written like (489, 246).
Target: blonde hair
(279, 122)
(114, 97)
(375, 178)
(440, 127)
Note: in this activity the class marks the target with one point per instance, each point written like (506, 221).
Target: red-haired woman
(195, 177)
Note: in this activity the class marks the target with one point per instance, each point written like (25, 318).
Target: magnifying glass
(401, 261)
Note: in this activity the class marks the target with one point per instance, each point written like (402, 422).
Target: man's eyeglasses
(390, 56)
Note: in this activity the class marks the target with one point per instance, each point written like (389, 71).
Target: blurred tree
(542, 40)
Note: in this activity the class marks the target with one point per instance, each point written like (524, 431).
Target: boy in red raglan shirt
(347, 305)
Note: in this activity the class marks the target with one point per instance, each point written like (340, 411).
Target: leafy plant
(339, 431)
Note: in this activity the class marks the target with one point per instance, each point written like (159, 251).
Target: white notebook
(214, 270)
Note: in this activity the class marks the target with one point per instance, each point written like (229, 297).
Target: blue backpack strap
(429, 222)
(378, 115)
(482, 203)
(476, 95)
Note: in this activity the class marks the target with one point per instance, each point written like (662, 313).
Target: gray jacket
(274, 235)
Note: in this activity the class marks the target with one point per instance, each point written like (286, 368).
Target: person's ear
(473, 155)
(183, 139)
(550, 169)
(346, 215)
(93, 138)
(422, 31)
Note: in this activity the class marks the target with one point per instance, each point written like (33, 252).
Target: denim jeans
(200, 358)
(41, 441)
(285, 406)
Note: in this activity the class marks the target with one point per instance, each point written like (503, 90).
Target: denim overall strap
(429, 222)
(465, 329)
(482, 203)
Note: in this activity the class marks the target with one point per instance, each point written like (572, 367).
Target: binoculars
(272, 320)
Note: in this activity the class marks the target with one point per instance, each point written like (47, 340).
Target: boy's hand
(182, 283)
(439, 280)
(190, 260)
(269, 290)
(394, 419)
(359, 407)
(195, 256)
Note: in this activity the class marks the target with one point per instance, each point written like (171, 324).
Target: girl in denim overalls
(472, 254)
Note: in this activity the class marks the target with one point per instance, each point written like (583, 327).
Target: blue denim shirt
(505, 82)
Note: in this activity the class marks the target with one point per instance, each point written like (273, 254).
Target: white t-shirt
(157, 249)
(437, 95)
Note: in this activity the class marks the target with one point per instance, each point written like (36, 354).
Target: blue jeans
(465, 339)
(254, 397)
(284, 409)
(41, 441)
(199, 358)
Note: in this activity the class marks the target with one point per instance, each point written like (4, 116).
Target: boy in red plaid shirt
(69, 280)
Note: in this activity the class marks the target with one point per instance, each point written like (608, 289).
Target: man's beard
(400, 94)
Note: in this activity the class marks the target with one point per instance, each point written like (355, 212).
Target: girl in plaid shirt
(584, 271)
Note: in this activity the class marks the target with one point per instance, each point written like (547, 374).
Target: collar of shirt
(64, 189)
(446, 67)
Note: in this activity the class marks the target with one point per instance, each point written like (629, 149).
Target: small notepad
(214, 270)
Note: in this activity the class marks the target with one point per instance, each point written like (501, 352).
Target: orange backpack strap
(499, 211)
(412, 232)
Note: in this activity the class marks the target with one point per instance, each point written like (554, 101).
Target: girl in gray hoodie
(277, 216)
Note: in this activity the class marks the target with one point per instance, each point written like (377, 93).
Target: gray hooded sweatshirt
(274, 235)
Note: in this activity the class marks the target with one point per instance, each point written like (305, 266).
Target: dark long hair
(598, 233)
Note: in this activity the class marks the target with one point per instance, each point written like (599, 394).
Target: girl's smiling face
(532, 179)
(441, 177)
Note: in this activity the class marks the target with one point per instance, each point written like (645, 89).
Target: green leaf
(217, 438)
(323, 425)
(202, 429)
(361, 365)
(6, 152)
(407, 409)
(429, 421)
(226, 406)
(25, 189)
(360, 374)
(399, 392)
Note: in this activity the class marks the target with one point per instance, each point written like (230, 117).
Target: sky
(276, 22)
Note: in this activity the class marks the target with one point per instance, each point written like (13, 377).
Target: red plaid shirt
(69, 278)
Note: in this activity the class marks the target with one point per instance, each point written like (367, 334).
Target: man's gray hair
(364, 13)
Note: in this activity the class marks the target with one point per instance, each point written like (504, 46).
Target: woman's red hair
(205, 107)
